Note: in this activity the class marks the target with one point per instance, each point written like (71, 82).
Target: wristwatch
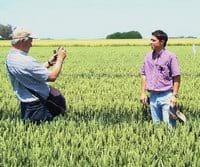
(50, 64)
(176, 95)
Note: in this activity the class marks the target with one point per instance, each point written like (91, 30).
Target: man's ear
(23, 40)
(162, 42)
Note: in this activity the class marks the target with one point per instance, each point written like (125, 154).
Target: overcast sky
(84, 19)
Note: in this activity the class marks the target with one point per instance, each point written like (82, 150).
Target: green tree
(125, 35)
(6, 31)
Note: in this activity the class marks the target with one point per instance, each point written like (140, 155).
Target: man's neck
(157, 51)
(19, 48)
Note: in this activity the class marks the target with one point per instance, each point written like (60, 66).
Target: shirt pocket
(163, 70)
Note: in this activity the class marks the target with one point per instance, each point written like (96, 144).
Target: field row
(106, 42)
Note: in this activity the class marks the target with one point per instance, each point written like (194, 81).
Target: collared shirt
(159, 70)
(25, 72)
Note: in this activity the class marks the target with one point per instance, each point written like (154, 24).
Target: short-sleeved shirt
(159, 70)
(25, 72)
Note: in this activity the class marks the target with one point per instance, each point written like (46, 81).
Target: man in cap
(29, 78)
(161, 78)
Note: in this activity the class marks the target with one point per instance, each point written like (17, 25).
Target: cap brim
(33, 37)
(174, 111)
(181, 116)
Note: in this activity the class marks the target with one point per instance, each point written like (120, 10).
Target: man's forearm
(176, 84)
(55, 71)
(143, 84)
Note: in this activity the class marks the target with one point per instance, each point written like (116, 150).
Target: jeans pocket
(38, 113)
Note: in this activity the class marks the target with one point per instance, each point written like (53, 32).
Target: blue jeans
(160, 106)
(35, 112)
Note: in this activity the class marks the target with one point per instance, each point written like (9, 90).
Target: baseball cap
(175, 111)
(21, 33)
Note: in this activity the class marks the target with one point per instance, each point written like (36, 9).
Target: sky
(93, 19)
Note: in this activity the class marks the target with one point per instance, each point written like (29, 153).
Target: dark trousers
(35, 112)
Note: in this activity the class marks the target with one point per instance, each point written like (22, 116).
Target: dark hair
(161, 35)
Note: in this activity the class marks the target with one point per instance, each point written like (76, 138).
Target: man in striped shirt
(27, 74)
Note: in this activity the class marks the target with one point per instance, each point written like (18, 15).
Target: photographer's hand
(54, 57)
(52, 60)
(61, 55)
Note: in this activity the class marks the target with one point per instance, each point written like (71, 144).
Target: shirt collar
(157, 55)
(15, 51)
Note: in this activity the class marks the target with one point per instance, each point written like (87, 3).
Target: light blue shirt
(25, 72)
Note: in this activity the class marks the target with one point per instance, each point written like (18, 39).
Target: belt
(159, 92)
(32, 102)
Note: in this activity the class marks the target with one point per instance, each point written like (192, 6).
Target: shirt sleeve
(175, 70)
(38, 71)
(142, 70)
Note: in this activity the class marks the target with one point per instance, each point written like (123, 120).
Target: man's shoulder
(23, 59)
(170, 54)
(148, 55)
(19, 62)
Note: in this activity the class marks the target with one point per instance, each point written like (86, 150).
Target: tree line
(125, 35)
(6, 31)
